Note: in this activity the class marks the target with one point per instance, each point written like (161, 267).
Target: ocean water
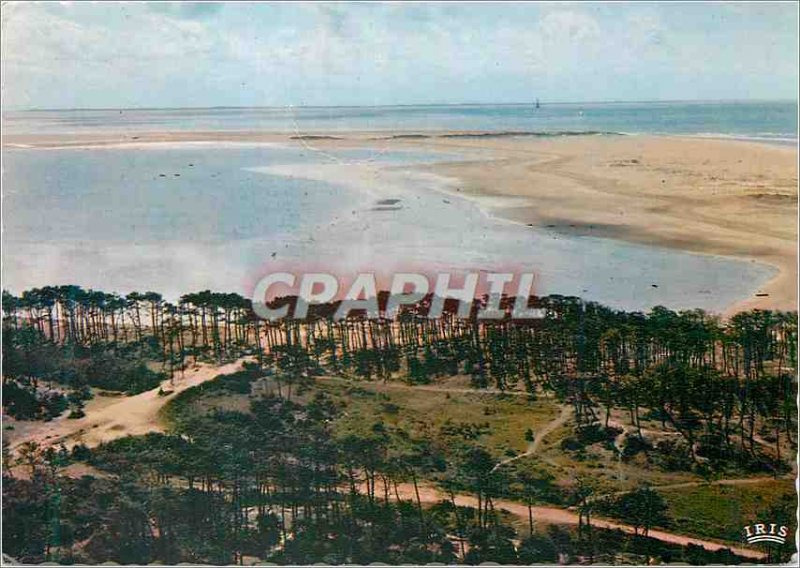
(187, 216)
(769, 121)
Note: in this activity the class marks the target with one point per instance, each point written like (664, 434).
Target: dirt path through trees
(563, 417)
(139, 414)
(430, 495)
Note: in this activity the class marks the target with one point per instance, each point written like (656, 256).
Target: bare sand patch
(109, 418)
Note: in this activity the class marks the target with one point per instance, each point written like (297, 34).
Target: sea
(766, 121)
(180, 217)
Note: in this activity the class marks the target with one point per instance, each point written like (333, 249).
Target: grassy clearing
(503, 419)
(603, 466)
(720, 511)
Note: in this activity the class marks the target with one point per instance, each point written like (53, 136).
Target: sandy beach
(721, 197)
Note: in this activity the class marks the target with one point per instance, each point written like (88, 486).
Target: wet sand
(722, 197)
(719, 197)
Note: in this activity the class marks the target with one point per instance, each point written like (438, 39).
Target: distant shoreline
(127, 137)
(361, 138)
(406, 105)
(750, 119)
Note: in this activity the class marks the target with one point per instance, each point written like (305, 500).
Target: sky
(107, 55)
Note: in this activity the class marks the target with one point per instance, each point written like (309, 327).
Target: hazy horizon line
(406, 105)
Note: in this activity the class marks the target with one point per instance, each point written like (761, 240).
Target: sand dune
(107, 419)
